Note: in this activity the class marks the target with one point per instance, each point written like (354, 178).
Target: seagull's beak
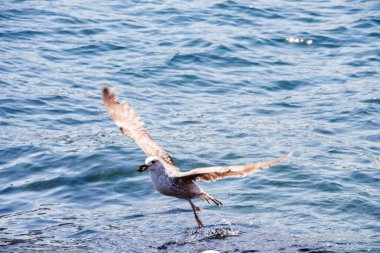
(142, 168)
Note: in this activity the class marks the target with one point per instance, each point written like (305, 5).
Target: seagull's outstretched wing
(216, 173)
(130, 124)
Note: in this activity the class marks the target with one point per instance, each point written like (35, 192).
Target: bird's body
(173, 187)
(166, 176)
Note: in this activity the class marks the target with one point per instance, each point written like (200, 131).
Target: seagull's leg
(199, 222)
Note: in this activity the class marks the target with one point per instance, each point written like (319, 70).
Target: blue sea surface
(216, 83)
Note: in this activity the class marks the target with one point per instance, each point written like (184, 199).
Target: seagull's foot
(200, 224)
(198, 209)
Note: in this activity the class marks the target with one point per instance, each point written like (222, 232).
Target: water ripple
(217, 83)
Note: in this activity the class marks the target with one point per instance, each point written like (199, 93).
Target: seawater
(217, 83)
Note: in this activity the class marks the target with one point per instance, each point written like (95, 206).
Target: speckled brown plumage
(166, 177)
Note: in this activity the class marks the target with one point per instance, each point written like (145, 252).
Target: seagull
(165, 175)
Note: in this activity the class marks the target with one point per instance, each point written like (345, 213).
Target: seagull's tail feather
(217, 202)
(207, 197)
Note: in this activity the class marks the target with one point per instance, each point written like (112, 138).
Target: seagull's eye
(153, 162)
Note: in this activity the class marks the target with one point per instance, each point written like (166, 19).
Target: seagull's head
(151, 162)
